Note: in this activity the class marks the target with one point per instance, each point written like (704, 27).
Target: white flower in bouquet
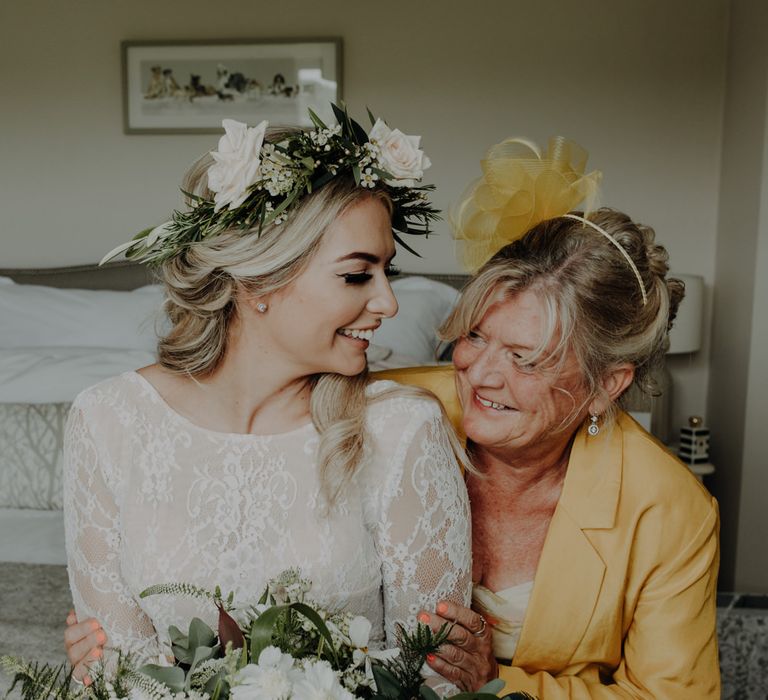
(142, 694)
(270, 679)
(237, 162)
(359, 635)
(399, 154)
(319, 681)
(289, 586)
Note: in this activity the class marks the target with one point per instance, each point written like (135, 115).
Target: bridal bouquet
(282, 648)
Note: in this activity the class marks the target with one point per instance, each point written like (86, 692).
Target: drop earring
(593, 428)
(261, 307)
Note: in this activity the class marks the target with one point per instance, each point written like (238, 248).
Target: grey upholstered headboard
(118, 276)
(128, 275)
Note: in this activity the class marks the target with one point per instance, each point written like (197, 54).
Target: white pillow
(424, 305)
(33, 316)
(57, 375)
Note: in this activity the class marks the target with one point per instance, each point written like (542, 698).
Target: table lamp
(684, 338)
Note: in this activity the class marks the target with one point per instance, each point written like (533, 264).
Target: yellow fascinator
(520, 188)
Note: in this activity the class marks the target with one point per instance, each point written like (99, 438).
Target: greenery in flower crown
(257, 182)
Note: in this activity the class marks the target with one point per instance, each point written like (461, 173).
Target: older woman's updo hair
(592, 299)
(205, 281)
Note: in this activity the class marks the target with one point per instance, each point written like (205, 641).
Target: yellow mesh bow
(520, 188)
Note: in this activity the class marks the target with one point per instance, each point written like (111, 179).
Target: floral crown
(257, 182)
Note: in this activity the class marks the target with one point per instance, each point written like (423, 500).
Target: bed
(63, 329)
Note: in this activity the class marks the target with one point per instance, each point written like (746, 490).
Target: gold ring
(481, 631)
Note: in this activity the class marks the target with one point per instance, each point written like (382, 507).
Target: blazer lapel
(570, 572)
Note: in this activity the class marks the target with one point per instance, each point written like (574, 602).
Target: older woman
(595, 550)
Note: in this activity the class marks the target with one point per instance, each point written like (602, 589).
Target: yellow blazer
(623, 601)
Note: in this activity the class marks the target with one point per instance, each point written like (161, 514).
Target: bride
(256, 443)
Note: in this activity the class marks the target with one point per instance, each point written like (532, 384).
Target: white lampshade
(685, 335)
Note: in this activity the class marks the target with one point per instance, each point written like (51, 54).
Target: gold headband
(626, 255)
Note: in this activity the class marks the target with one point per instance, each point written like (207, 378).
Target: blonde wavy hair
(202, 286)
(590, 295)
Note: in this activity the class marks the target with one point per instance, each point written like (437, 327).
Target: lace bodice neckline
(150, 497)
(189, 423)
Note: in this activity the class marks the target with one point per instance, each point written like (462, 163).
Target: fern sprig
(40, 681)
(414, 647)
(188, 590)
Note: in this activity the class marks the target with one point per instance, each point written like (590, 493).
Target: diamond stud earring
(261, 307)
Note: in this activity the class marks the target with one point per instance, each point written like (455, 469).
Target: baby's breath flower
(368, 178)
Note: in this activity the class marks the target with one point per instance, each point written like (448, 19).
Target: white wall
(751, 570)
(737, 376)
(749, 263)
(639, 83)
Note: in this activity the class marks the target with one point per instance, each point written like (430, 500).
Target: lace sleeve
(424, 537)
(92, 529)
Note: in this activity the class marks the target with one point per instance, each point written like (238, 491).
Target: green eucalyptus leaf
(176, 635)
(202, 654)
(387, 684)
(182, 654)
(370, 116)
(170, 676)
(427, 693)
(200, 635)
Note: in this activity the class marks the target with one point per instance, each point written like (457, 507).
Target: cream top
(150, 497)
(508, 607)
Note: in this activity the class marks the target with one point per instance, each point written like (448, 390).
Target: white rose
(399, 155)
(271, 678)
(237, 163)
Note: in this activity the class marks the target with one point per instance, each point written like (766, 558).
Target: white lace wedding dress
(152, 498)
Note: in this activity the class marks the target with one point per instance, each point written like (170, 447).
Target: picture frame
(188, 87)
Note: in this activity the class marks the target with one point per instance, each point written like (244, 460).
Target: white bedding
(58, 374)
(32, 536)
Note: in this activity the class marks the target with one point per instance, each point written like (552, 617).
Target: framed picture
(172, 87)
